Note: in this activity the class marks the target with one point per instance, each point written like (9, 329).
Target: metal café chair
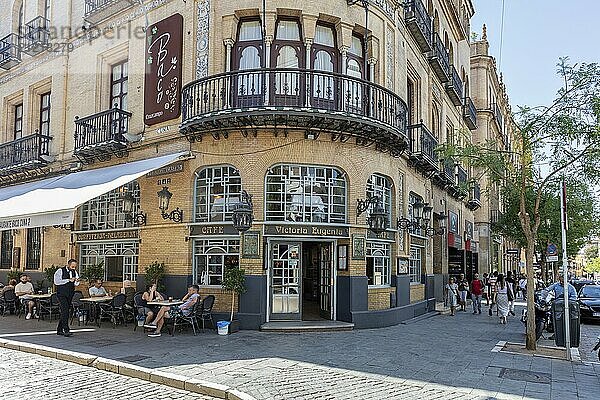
(113, 309)
(205, 313)
(50, 307)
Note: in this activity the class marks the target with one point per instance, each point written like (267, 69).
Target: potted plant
(234, 281)
(93, 272)
(155, 273)
(49, 273)
(13, 274)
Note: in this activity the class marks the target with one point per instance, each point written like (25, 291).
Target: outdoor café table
(94, 301)
(165, 303)
(36, 298)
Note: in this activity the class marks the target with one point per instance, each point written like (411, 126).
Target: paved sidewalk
(442, 356)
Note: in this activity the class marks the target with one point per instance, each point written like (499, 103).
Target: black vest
(69, 287)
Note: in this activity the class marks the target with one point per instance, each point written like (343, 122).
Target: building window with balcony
(248, 56)
(287, 52)
(356, 58)
(106, 211)
(302, 193)
(435, 121)
(34, 248)
(118, 85)
(378, 263)
(415, 263)
(212, 257)
(18, 122)
(412, 97)
(45, 114)
(217, 192)
(381, 186)
(6, 247)
(325, 57)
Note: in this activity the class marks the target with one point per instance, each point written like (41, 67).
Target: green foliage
(592, 266)
(155, 273)
(234, 281)
(93, 272)
(13, 274)
(49, 273)
(590, 252)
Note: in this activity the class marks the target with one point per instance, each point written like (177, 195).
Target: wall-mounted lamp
(243, 216)
(127, 209)
(164, 197)
(377, 220)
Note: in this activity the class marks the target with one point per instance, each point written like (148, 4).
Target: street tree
(592, 266)
(583, 218)
(560, 140)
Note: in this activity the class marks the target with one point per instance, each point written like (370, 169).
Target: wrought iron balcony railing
(419, 23)
(36, 36)
(470, 113)
(474, 197)
(98, 10)
(422, 148)
(10, 51)
(101, 134)
(26, 153)
(440, 59)
(449, 171)
(454, 87)
(316, 101)
(497, 115)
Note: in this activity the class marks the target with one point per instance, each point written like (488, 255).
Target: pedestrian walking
(476, 292)
(492, 291)
(502, 298)
(512, 285)
(523, 286)
(463, 288)
(452, 295)
(65, 279)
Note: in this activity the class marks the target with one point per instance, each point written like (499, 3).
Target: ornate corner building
(297, 143)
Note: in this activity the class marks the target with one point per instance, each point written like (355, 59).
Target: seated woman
(151, 294)
(189, 300)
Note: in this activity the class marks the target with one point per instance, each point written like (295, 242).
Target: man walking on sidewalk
(476, 292)
(65, 279)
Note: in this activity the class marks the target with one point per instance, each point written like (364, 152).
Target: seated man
(11, 286)
(97, 290)
(23, 288)
(189, 300)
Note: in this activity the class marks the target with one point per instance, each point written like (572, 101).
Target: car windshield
(590, 291)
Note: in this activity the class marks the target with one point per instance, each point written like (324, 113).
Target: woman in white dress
(502, 298)
(452, 295)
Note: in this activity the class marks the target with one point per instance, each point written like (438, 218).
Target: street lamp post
(377, 220)
(243, 216)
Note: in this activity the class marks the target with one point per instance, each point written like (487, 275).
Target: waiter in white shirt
(65, 279)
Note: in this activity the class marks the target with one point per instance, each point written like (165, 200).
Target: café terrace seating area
(112, 310)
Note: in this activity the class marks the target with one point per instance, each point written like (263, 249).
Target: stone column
(267, 64)
(229, 46)
(308, 43)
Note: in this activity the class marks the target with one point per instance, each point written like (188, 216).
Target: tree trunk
(529, 254)
(232, 304)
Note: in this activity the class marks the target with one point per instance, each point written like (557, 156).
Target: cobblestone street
(438, 357)
(26, 376)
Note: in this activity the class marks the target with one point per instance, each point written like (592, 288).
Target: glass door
(286, 276)
(325, 281)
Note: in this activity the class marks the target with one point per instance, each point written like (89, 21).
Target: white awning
(53, 201)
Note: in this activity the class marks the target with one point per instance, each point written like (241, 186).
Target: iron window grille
(45, 114)
(300, 193)
(380, 186)
(6, 249)
(105, 211)
(415, 264)
(34, 247)
(218, 190)
(211, 257)
(18, 122)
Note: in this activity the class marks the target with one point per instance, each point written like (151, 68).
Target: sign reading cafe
(162, 82)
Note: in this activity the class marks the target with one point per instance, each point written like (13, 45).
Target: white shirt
(26, 287)
(58, 279)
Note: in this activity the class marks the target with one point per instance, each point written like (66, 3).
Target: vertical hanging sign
(162, 82)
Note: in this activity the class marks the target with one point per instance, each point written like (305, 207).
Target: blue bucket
(223, 327)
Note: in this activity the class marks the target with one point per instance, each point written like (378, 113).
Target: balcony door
(324, 63)
(288, 84)
(248, 84)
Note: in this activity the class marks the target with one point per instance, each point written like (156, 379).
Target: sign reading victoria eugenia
(162, 83)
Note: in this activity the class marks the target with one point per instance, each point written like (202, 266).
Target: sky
(536, 34)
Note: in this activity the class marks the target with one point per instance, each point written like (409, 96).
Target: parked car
(589, 302)
(579, 283)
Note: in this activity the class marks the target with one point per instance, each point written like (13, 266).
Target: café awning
(53, 201)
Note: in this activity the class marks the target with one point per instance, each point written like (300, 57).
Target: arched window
(19, 30)
(287, 53)
(352, 89)
(212, 257)
(302, 193)
(217, 192)
(381, 186)
(436, 22)
(325, 57)
(248, 56)
(435, 121)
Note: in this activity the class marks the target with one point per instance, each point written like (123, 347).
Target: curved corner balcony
(281, 99)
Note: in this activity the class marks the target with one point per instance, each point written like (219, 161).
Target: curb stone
(181, 382)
